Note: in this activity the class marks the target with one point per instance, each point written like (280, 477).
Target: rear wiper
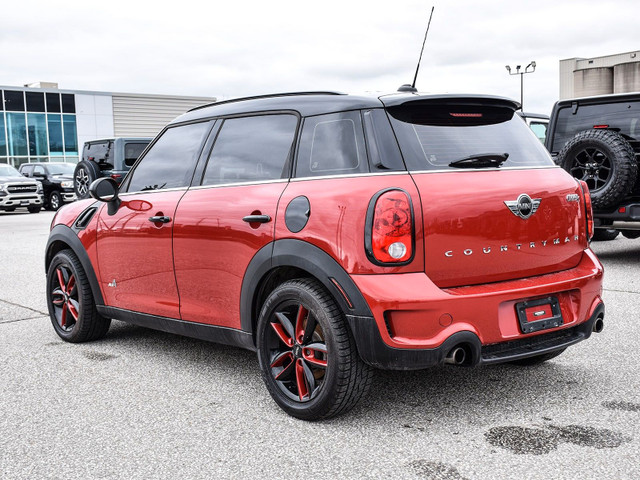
(481, 160)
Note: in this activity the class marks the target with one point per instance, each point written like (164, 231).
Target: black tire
(55, 201)
(72, 308)
(537, 359)
(603, 159)
(307, 355)
(34, 209)
(85, 173)
(605, 235)
(631, 234)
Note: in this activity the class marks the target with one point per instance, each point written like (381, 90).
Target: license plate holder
(540, 314)
(24, 202)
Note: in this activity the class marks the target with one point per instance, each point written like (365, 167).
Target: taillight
(389, 228)
(588, 208)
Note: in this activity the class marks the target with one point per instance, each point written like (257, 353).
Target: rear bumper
(415, 324)
(380, 355)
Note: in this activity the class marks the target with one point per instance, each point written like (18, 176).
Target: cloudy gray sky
(229, 49)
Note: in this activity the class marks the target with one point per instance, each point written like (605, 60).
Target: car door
(223, 220)
(134, 245)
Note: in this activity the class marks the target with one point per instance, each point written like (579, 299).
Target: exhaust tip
(456, 356)
(598, 325)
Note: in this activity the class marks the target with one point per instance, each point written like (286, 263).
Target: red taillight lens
(391, 228)
(588, 208)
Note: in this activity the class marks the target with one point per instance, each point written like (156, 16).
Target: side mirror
(39, 175)
(106, 190)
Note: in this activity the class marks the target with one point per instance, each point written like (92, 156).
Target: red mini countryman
(333, 233)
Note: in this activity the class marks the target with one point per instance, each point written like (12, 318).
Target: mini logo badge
(524, 206)
(573, 197)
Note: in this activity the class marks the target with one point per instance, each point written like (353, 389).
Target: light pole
(532, 65)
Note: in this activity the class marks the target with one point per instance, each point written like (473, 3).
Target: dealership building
(42, 123)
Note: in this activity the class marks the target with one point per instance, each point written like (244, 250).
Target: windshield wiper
(481, 160)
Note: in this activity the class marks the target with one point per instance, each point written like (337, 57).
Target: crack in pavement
(13, 320)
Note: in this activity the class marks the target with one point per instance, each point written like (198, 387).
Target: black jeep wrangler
(109, 157)
(597, 139)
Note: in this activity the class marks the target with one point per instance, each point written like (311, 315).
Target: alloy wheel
(298, 352)
(64, 298)
(593, 166)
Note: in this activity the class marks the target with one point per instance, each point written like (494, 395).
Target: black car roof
(612, 98)
(318, 103)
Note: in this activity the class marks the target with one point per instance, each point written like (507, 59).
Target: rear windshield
(623, 117)
(432, 136)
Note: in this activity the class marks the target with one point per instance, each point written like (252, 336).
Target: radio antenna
(412, 88)
(423, 42)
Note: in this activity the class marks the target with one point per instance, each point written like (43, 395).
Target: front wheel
(70, 300)
(306, 352)
(55, 200)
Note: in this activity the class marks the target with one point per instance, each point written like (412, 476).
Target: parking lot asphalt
(142, 404)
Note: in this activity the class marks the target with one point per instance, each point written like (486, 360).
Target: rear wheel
(605, 235)
(537, 359)
(306, 353)
(85, 173)
(70, 300)
(55, 200)
(632, 234)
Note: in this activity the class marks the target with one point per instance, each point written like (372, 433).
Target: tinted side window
(132, 151)
(26, 170)
(38, 169)
(171, 160)
(251, 149)
(332, 145)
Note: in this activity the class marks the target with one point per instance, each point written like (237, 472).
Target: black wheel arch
(62, 237)
(287, 259)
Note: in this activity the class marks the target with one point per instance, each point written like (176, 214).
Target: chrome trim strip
(240, 184)
(350, 175)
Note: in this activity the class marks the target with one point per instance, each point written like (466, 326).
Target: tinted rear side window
(332, 145)
(432, 136)
(624, 116)
(132, 151)
(171, 160)
(251, 149)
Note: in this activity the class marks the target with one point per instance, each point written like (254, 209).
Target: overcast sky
(228, 49)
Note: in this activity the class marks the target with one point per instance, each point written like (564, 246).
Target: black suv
(597, 139)
(110, 157)
(56, 179)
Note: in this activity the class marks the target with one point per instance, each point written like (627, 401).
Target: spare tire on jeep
(605, 161)
(86, 172)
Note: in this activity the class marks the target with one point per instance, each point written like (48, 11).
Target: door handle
(257, 218)
(160, 219)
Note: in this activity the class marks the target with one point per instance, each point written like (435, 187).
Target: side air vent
(84, 218)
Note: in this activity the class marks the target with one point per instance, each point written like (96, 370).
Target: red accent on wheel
(301, 381)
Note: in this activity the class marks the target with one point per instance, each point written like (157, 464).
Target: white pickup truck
(18, 191)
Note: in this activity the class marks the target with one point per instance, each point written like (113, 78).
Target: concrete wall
(593, 81)
(626, 78)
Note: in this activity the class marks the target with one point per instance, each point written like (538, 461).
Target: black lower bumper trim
(376, 353)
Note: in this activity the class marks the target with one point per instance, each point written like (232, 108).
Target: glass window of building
(70, 134)
(68, 103)
(53, 102)
(3, 140)
(37, 129)
(56, 142)
(35, 101)
(17, 134)
(13, 101)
